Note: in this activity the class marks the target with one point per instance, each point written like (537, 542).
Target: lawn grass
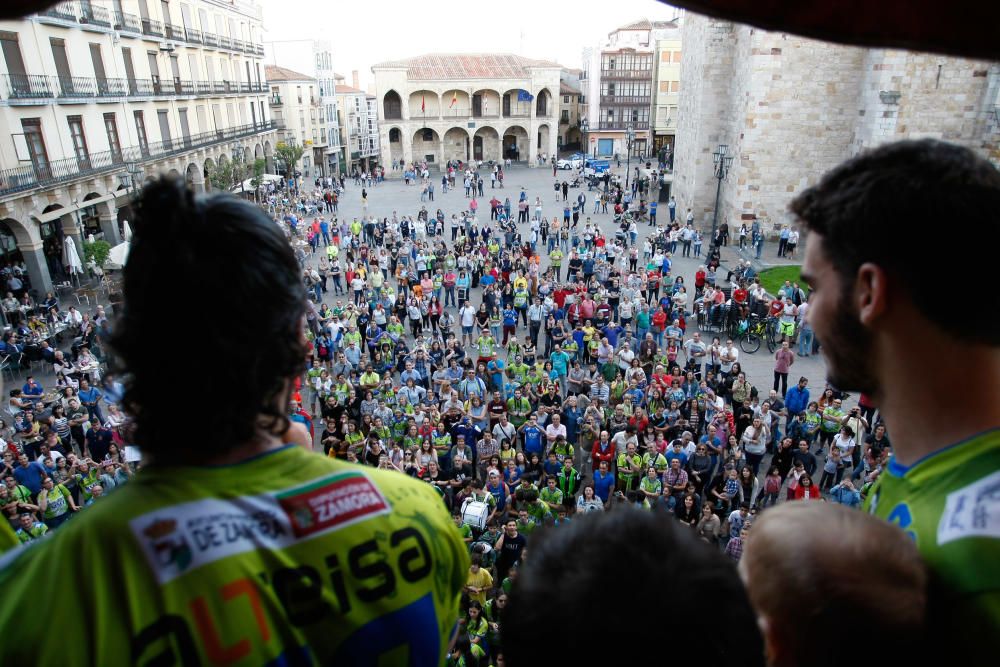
(772, 279)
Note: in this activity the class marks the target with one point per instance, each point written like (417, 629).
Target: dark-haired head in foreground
(213, 281)
(614, 584)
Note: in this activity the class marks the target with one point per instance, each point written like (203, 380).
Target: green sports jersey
(949, 503)
(288, 557)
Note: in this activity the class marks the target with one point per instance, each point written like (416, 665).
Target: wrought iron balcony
(620, 125)
(152, 27)
(29, 87)
(174, 32)
(64, 11)
(629, 100)
(95, 15)
(626, 74)
(127, 23)
(28, 177)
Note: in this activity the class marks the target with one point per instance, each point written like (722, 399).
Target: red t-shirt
(699, 279)
(740, 295)
(776, 308)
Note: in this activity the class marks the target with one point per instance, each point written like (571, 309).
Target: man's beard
(848, 350)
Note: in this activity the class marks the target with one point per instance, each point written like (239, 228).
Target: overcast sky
(364, 32)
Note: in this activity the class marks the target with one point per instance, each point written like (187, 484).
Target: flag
(423, 103)
(524, 96)
(454, 98)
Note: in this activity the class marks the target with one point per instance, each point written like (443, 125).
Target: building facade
(333, 151)
(465, 107)
(570, 137)
(618, 82)
(666, 94)
(791, 108)
(359, 126)
(298, 112)
(95, 99)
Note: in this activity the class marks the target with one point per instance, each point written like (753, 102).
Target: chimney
(354, 79)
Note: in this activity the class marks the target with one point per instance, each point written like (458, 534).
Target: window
(677, 56)
(32, 128)
(675, 86)
(140, 131)
(428, 135)
(114, 143)
(79, 141)
(565, 99)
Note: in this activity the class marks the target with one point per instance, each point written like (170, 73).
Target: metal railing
(644, 100)
(95, 15)
(28, 87)
(20, 179)
(174, 32)
(127, 23)
(112, 87)
(626, 74)
(64, 10)
(193, 35)
(210, 39)
(152, 27)
(621, 125)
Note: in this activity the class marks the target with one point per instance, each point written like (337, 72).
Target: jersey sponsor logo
(972, 511)
(331, 503)
(184, 537)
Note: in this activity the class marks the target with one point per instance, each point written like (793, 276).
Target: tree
(259, 167)
(290, 154)
(223, 175)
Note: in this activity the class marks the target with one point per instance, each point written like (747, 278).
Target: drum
(475, 513)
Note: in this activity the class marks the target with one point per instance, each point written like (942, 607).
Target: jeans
(782, 379)
(449, 296)
(805, 341)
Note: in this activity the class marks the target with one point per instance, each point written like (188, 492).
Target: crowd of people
(523, 394)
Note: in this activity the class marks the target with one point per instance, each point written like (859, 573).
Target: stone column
(407, 145)
(198, 183)
(532, 142)
(38, 269)
(109, 225)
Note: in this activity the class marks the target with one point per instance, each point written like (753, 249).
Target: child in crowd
(815, 565)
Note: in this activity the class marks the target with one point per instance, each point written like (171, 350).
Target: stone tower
(790, 108)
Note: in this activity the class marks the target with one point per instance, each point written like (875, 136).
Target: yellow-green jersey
(286, 558)
(949, 503)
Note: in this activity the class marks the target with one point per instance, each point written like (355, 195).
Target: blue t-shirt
(30, 476)
(487, 280)
(652, 207)
(612, 332)
(603, 485)
(509, 317)
(532, 439)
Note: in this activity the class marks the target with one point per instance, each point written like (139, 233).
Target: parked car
(569, 163)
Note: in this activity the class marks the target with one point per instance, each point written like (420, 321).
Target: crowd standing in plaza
(523, 395)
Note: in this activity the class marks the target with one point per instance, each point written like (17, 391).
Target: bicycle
(758, 329)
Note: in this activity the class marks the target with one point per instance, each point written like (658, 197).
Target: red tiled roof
(439, 66)
(341, 89)
(567, 89)
(275, 73)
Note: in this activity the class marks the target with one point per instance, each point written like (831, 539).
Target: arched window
(392, 105)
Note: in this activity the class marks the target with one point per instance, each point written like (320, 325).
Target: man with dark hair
(236, 543)
(884, 317)
(598, 567)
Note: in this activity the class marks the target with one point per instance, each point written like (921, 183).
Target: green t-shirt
(554, 496)
(57, 502)
(287, 553)
(37, 530)
(949, 503)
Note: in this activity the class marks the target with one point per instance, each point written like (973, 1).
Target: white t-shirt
(552, 431)
(733, 355)
(468, 316)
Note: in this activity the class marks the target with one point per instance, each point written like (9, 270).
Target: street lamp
(584, 129)
(130, 178)
(239, 159)
(629, 138)
(723, 161)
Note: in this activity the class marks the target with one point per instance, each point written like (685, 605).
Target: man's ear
(871, 293)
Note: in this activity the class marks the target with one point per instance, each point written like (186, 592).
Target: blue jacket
(796, 400)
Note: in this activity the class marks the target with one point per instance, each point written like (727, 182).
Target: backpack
(772, 485)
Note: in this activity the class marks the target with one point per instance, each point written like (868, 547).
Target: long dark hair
(185, 251)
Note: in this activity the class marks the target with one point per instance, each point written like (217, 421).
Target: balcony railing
(225, 42)
(152, 27)
(621, 125)
(626, 74)
(127, 23)
(642, 100)
(193, 36)
(64, 11)
(112, 88)
(210, 39)
(77, 86)
(174, 32)
(20, 179)
(95, 15)
(28, 87)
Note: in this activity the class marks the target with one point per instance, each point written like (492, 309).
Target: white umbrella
(72, 256)
(126, 231)
(118, 256)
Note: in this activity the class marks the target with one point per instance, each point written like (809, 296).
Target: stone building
(467, 106)
(298, 112)
(93, 100)
(791, 108)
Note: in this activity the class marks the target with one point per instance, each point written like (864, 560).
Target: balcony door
(140, 131)
(62, 65)
(114, 141)
(164, 120)
(185, 128)
(79, 142)
(129, 70)
(99, 73)
(32, 128)
(175, 71)
(19, 84)
(154, 71)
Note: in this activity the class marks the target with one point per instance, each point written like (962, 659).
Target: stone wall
(791, 108)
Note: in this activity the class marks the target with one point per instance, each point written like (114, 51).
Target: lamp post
(584, 130)
(723, 161)
(239, 162)
(629, 138)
